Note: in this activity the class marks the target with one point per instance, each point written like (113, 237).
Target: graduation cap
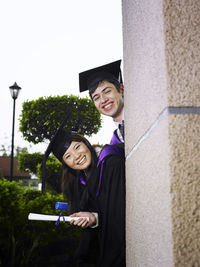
(58, 146)
(89, 78)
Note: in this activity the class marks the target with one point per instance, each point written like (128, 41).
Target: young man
(107, 92)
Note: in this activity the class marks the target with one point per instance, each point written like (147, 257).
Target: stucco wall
(162, 113)
(148, 201)
(182, 49)
(184, 135)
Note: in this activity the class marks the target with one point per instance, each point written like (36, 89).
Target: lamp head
(14, 90)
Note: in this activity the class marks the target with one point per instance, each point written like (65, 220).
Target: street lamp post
(14, 90)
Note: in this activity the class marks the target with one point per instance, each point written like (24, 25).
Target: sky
(44, 45)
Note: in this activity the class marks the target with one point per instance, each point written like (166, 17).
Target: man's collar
(119, 122)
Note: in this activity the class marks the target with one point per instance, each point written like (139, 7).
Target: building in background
(23, 176)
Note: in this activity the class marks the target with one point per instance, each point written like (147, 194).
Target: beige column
(161, 41)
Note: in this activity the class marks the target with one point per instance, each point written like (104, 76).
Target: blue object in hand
(61, 206)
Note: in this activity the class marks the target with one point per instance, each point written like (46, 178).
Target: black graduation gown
(105, 243)
(111, 210)
(87, 251)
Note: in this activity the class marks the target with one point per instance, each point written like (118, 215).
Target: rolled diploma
(43, 217)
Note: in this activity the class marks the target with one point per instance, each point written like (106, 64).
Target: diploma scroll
(43, 217)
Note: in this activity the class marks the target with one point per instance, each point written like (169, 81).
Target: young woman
(95, 187)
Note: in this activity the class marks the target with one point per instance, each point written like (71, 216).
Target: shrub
(32, 243)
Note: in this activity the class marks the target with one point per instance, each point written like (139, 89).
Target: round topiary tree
(40, 118)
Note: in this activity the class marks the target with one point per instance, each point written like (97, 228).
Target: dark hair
(69, 175)
(115, 82)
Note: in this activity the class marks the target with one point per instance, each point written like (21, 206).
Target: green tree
(28, 162)
(32, 163)
(6, 150)
(40, 118)
(20, 150)
(53, 174)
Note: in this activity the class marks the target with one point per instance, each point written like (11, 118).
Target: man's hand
(83, 222)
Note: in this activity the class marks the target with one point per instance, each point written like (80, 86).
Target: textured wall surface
(149, 237)
(149, 232)
(182, 41)
(184, 133)
(162, 113)
(144, 65)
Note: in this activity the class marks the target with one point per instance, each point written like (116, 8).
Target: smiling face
(77, 156)
(108, 100)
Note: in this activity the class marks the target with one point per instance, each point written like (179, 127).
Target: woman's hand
(83, 222)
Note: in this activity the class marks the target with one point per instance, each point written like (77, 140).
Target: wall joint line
(166, 111)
